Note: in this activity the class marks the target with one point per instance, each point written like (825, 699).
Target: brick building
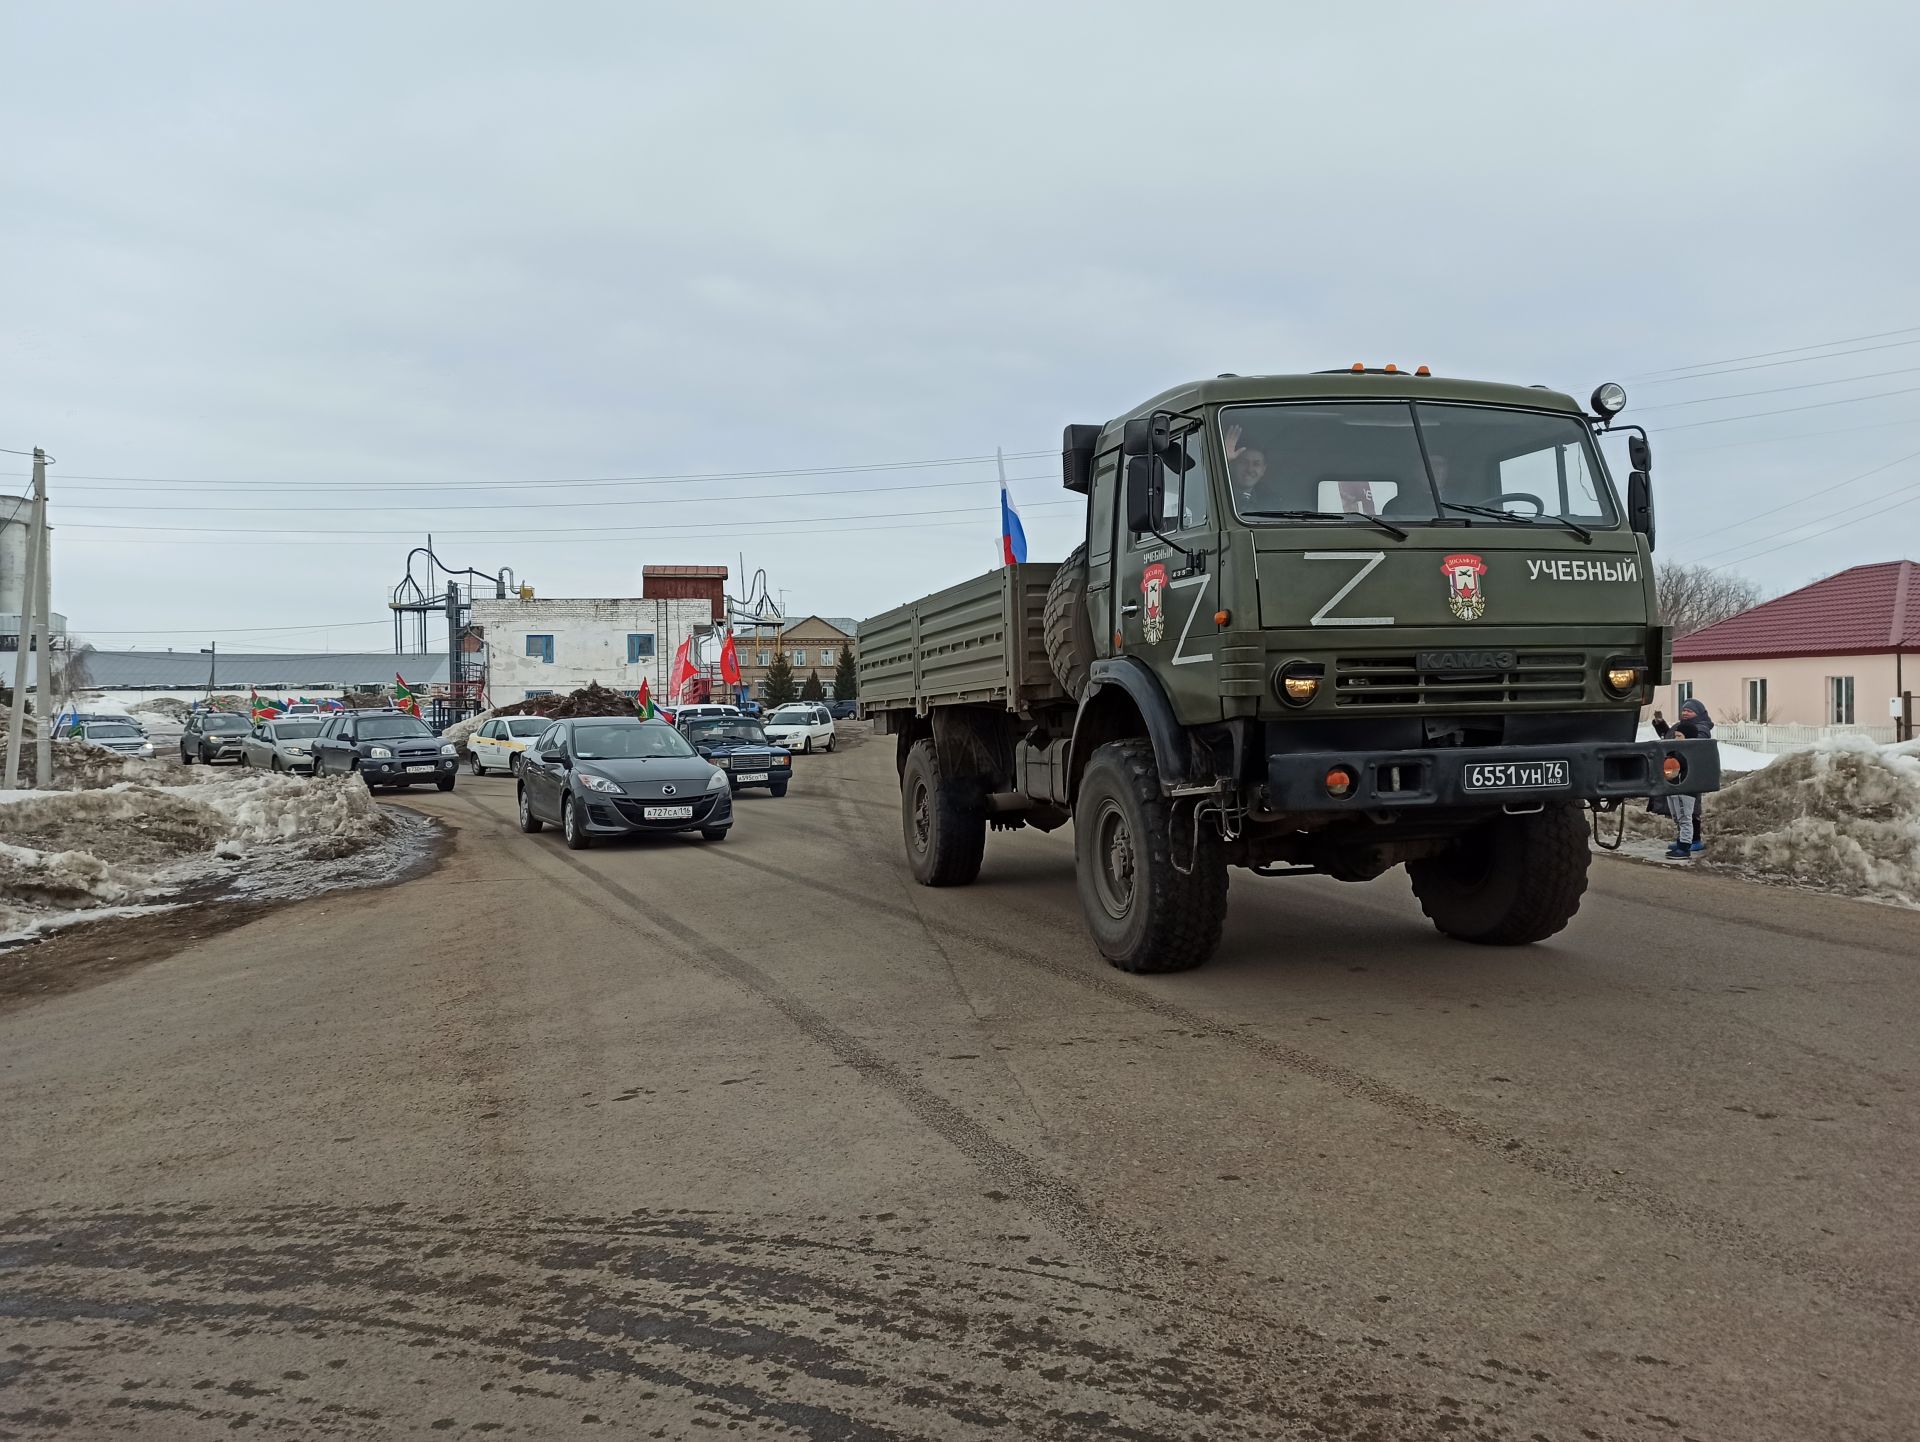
(812, 644)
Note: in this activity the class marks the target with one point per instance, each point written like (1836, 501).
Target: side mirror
(1143, 472)
(1639, 453)
(1640, 504)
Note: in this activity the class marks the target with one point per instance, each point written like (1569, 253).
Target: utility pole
(42, 625)
(213, 668)
(29, 598)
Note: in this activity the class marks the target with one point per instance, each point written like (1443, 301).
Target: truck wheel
(1516, 880)
(1144, 914)
(1064, 624)
(943, 820)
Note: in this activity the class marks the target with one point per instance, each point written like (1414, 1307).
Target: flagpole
(1000, 549)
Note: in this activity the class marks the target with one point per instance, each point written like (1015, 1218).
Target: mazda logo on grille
(667, 790)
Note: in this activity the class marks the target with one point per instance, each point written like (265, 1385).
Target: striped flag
(1013, 535)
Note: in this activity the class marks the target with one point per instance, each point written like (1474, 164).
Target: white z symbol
(1192, 611)
(1372, 559)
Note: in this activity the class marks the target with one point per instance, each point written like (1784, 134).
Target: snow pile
(68, 852)
(1843, 815)
(167, 708)
(77, 765)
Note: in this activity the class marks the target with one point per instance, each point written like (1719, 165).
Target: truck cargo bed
(979, 642)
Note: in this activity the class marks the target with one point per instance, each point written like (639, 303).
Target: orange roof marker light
(1392, 369)
(1422, 371)
(1359, 367)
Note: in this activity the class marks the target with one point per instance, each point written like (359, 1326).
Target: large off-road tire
(1144, 913)
(943, 820)
(1065, 627)
(1515, 880)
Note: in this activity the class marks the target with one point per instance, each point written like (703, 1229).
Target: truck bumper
(1582, 771)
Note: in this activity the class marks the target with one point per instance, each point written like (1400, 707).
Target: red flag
(682, 671)
(643, 703)
(729, 662)
(261, 710)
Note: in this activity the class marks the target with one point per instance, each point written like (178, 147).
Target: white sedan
(497, 745)
(801, 727)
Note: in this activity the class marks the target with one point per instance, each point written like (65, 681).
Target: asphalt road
(682, 1140)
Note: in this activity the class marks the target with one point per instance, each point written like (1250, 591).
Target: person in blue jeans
(1694, 723)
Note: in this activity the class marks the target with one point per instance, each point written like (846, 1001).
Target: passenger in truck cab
(1246, 472)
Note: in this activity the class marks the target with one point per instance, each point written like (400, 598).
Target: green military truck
(1329, 623)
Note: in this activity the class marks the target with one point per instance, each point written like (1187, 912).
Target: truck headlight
(1622, 679)
(1298, 682)
(1609, 399)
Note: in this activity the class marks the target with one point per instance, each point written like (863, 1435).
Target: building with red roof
(1836, 653)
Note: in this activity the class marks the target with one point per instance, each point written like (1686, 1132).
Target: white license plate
(752, 776)
(1517, 775)
(669, 813)
(420, 770)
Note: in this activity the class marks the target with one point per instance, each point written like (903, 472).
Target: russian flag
(1013, 535)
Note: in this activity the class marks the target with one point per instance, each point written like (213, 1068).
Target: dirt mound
(169, 708)
(592, 699)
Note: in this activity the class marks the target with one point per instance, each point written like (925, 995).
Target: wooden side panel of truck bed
(976, 643)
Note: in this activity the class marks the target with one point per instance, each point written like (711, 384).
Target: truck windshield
(1412, 463)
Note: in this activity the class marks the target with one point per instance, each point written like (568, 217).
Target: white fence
(1757, 736)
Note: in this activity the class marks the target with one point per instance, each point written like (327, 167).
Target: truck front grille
(1544, 676)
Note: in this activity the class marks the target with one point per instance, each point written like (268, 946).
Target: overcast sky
(288, 267)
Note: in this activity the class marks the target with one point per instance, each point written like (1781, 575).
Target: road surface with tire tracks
(687, 1140)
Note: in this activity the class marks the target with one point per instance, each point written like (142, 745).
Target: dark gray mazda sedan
(617, 776)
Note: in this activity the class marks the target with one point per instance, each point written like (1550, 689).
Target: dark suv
(386, 748)
(213, 736)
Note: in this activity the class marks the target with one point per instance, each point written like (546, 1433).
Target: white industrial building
(536, 646)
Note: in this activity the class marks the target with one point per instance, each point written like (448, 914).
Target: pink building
(1835, 653)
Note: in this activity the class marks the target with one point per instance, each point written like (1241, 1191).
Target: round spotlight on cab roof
(1609, 399)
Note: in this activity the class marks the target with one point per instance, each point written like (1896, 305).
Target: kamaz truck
(1330, 623)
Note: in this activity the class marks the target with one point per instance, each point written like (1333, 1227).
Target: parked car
(385, 748)
(843, 710)
(739, 747)
(497, 745)
(596, 776)
(281, 745)
(703, 708)
(118, 736)
(303, 708)
(212, 736)
(801, 726)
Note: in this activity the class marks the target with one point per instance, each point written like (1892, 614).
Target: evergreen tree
(846, 682)
(780, 688)
(812, 690)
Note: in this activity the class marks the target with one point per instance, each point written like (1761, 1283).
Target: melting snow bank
(1842, 815)
(68, 855)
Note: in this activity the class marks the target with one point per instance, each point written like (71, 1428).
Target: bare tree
(1694, 597)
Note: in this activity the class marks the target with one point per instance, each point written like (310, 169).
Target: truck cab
(1330, 622)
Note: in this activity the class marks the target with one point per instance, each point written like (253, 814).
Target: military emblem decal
(1466, 596)
(1153, 587)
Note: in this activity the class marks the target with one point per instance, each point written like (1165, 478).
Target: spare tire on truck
(1065, 627)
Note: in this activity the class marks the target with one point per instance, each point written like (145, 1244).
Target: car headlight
(598, 783)
(783, 761)
(449, 750)
(146, 748)
(379, 753)
(717, 781)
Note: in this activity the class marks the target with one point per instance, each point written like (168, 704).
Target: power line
(686, 478)
(1743, 560)
(1777, 390)
(1782, 411)
(1796, 501)
(243, 631)
(1801, 526)
(1794, 436)
(554, 505)
(1769, 365)
(1784, 350)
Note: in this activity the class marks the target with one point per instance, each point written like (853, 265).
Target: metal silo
(15, 514)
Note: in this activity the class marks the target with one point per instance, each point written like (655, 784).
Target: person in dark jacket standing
(1694, 724)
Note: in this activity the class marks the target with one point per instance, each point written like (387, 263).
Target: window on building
(1840, 700)
(1757, 698)
(639, 646)
(1682, 693)
(763, 658)
(798, 658)
(540, 648)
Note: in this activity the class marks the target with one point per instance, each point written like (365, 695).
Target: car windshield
(390, 728)
(795, 716)
(102, 729)
(296, 730)
(725, 728)
(227, 723)
(1410, 462)
(527, 725)
(628, 742)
